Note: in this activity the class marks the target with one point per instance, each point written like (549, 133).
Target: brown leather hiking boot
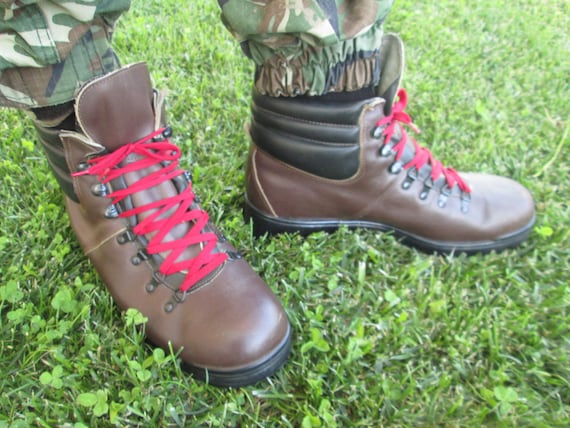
(316, 166)
(136, 217)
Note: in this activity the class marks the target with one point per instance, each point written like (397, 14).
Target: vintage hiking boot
(316, 166)
(136, 217)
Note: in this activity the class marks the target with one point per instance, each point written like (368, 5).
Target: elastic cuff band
(316, 70)
(295, 78)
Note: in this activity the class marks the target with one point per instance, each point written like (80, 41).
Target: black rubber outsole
(244, 376)
(263, 224)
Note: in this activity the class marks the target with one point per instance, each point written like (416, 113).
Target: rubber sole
(247, 375)
(262, 224)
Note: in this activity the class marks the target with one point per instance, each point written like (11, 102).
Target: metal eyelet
(151, 286)
(396, 167)
(411, 176)
(377, 132)
(111, 212)
(465, 201)
(123, 238)
(234, 255)
(444, 195)
(428, 184)
(169, 307)
(82, 166)
(140, 257)
(180, 296)
(167, 133)
(407, 183)
(386, 150)
(99, 190)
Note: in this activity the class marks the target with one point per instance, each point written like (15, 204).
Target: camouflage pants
(309, 47)
(49, 47)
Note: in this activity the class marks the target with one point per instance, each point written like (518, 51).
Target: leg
(136, 217)
(312, 49)
(329, 146)
(45, 62)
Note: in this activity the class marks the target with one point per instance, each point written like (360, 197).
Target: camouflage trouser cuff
(32, 87)
(349, 66)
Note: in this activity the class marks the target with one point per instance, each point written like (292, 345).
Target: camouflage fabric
(48, 48)
(309, 47)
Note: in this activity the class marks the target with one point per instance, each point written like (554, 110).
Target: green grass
(383, 335)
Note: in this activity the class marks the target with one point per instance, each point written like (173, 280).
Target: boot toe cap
(234, 323)
(502, 206)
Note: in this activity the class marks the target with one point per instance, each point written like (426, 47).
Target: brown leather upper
(498, 206)
(230, 320)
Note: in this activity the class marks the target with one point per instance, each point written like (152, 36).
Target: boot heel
(263, 223)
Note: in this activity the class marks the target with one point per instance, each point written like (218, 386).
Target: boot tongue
(117, 109)
(392, 64)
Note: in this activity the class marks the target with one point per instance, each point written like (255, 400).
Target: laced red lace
(107, 168)
(423, 155)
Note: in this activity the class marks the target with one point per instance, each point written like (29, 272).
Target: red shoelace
(107, 168)
(423, 155)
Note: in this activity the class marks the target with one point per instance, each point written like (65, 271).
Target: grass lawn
(383, 334)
